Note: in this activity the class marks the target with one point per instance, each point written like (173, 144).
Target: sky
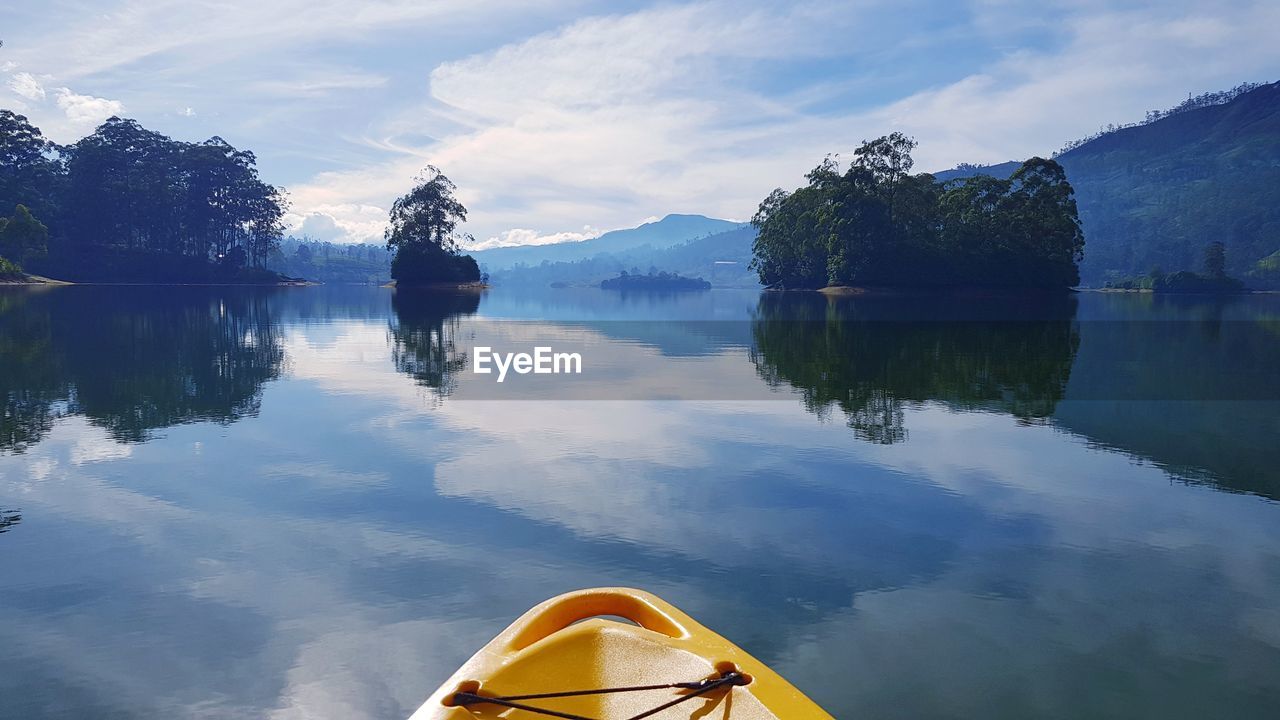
(560, 119)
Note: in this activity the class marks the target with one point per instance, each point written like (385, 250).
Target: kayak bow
(567, 658)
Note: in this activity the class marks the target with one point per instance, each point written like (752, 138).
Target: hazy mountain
(670, 230)
(721, 259)
(1154, 194)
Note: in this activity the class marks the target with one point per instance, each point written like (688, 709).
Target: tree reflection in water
(423, 335)
(9, 518)
(133, 360)
(873, 357)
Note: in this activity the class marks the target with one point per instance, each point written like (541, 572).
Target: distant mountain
(721, 259)
(1003, 170)
(670, 230)
(1155, 194)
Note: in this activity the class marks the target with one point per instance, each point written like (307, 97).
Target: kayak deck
(566, 658)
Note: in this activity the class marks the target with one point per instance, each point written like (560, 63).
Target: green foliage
(1215, 279)
(125, 202)
(135, 189)
(22, 237)
(1153, 195)
(425, 264)
(30, 171)
(10, 271)
(1186, 281)
(876, 224)
(1204, 100)
(423, 234)
(654, 281)
(332, 263)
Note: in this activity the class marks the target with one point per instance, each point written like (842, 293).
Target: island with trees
(654, 281)
(876, 225)
(127, 204)
(423, 235)
(1214, 281)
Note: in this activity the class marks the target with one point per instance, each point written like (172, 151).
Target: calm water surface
(300, 503)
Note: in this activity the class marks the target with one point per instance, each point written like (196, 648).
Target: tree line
(130, 203)
(1214, 279)
(1203, 100)
(331, 263)
(876, 224)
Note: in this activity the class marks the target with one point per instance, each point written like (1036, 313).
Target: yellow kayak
(571, 657)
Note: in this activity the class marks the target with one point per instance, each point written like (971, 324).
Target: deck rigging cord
(701, 687)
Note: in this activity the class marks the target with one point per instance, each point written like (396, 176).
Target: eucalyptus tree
(875, 223)
(30, 169)
(423, 234)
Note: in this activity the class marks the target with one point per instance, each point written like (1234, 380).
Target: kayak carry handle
(644, 609)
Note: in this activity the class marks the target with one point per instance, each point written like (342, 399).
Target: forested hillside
(1155, 194)
(332, 263)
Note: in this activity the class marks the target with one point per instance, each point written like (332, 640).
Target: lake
(302, 502)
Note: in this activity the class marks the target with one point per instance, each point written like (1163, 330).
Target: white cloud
(320, 226)
(607, 120)
(187, 112)
(26, 85)
(555, 116)
(90, 449)
(342, 222)
(524, 236)
(96, 40)
(1115, 67)
(318, 85)
(612, 118)
(86, 111)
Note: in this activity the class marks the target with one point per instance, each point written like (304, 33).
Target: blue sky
(559, 119)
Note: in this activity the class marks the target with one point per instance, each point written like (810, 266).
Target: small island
(1214, 281)
(654, 281)
(875, 225)
(423, 235)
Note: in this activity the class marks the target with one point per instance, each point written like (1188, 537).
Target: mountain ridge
(1152, 195)
(673, 229)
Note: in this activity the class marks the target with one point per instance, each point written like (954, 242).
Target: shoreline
(1149, 291)
(992, 291)
(467, 286)
(944, 291)
(40, 281)
(33, 281)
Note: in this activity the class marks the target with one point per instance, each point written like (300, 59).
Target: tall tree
(1215, 260)
(29, 166)
(134, 190)
(877, 224)
(423, 233)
